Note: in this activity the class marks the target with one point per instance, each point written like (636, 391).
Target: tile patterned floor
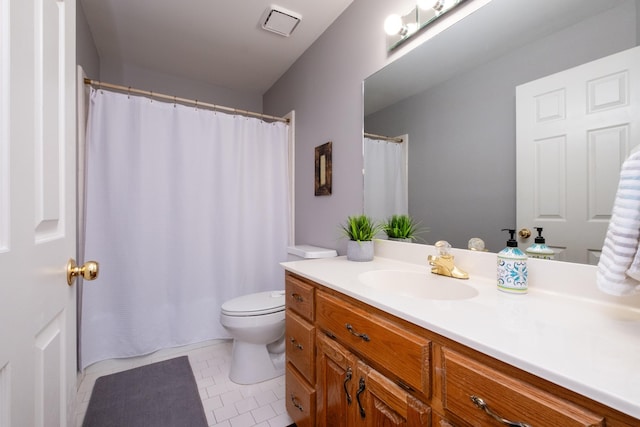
(226, 404)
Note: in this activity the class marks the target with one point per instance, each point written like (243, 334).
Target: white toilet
(256, 323)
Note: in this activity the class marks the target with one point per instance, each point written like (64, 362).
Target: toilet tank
(300, 252)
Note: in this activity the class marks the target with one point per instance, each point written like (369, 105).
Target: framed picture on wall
(323, 170)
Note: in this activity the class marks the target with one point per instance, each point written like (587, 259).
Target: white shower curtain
(385, 178)
(186, 208)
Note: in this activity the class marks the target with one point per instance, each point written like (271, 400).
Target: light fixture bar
(400, 28)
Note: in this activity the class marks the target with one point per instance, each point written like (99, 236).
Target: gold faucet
(442, 264)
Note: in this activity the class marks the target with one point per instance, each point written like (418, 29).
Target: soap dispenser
(540, 249)
(512, 267)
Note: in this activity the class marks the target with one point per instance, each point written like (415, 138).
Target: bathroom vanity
(360, 352)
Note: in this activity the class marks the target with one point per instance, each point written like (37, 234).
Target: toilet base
(252, 363)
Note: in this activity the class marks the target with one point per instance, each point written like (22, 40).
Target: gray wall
(86, 52)
(325, 88)
(462, 132)
(117, 72)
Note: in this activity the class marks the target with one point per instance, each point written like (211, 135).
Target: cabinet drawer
(300, 398)
(299, 296)
(399, 353)
(506, 396)
(300, 339)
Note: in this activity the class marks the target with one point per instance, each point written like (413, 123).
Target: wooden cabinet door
(335, 383)
(384, 403)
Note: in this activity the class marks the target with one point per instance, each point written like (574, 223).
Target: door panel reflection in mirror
(568, 168)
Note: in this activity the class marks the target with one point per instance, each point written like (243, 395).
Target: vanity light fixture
(400, 28)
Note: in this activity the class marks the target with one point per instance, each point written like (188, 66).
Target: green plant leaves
(401, 227)
(361, 228)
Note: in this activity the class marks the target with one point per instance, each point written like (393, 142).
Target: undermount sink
(417, 284)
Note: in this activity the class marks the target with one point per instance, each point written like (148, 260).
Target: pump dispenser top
(512, 267)
(511, 243)
(540, 249)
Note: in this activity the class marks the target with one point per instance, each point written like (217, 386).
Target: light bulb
(393, 24)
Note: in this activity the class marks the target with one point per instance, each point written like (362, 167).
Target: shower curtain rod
(195, 102)
(384, 138)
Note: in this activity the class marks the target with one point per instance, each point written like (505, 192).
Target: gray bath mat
(162, 394)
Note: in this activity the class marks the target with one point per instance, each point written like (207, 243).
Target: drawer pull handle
(405, 386)
(297, 297)
(329, 334)
(296, 404)
(296, 344)
(364, 337)
(358, 393)
(347, 378)
(482, 405)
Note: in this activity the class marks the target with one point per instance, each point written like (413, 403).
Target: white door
(573, 131)
(37, 213)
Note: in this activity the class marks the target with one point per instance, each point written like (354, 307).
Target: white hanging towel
(619, 265)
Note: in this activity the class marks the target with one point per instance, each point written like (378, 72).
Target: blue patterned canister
(512, 271)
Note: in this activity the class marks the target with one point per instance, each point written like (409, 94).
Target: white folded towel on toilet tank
(619, 264)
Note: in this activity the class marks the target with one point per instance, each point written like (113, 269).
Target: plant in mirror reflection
(403, 227)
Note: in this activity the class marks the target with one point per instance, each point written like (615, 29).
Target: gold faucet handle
(443, 262)
(443, 247)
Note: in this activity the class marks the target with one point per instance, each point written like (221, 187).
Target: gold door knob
(88, 271)
(524, 233)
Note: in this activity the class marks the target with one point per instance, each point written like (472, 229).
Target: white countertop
(562, 332)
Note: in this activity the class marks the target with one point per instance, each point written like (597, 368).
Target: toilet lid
(255, 304)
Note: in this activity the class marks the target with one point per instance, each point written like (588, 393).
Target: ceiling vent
(280, 20)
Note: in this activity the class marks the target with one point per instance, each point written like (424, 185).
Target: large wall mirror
(453, 98)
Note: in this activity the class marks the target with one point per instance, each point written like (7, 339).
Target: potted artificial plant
(401, 227)
(360, 229)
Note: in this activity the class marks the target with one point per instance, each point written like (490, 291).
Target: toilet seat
(255, 304)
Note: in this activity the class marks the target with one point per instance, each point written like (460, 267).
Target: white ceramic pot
(360, 251)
